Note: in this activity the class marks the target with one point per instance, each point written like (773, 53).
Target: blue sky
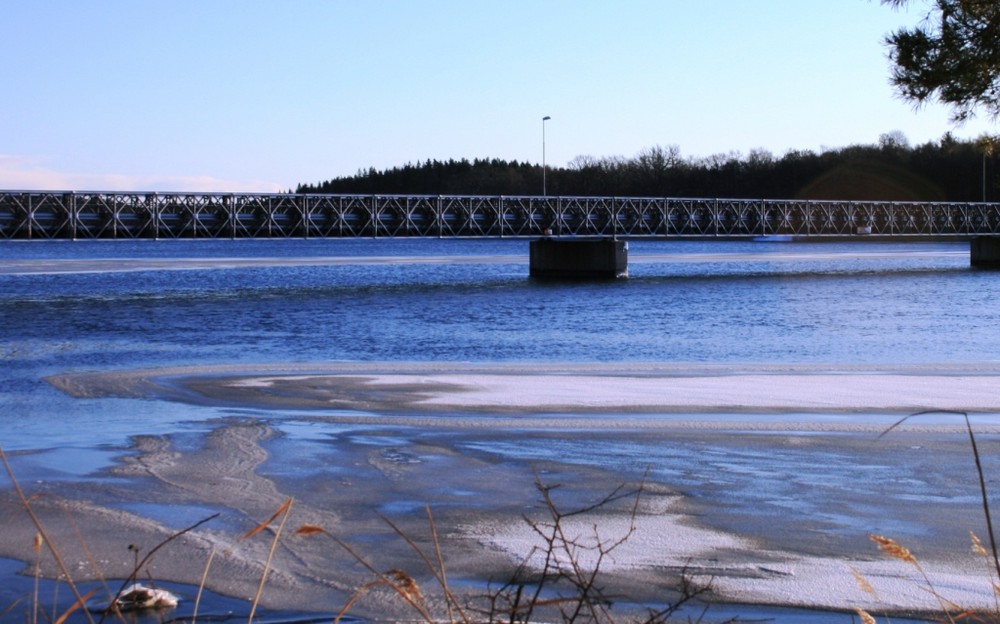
(259, 96)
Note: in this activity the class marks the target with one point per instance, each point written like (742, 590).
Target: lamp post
(988, 145)
(544, 119)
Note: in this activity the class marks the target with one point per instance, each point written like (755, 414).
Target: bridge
(556, 223)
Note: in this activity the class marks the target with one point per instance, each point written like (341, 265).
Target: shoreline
(747, 397)
(479, 543)
(386, 449)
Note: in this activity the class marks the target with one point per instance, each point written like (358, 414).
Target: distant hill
(947, 170)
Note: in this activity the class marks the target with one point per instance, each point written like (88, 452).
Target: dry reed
(950, 610)
(864, 616)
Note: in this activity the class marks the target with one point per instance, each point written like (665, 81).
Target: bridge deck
(51, 215)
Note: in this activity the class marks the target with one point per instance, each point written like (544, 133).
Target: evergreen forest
(949, 170)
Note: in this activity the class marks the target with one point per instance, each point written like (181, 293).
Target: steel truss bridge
(130, 215)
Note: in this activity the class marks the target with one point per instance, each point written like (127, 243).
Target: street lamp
(988, 145)
(544, 119)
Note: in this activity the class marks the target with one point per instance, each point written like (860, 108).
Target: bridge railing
(45, 215)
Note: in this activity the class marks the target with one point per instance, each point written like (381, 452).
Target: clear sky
(247, 95)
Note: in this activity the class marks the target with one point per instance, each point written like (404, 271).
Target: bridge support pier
(984, 252)
(564, 258)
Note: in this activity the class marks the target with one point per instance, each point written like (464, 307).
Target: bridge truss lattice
(96, 215)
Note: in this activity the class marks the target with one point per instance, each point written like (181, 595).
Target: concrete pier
(984, 252)
(573, 258)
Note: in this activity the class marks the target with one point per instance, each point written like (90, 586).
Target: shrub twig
(134, 575)
(562, 564)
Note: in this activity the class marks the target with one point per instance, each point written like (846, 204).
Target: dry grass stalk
(10, 608)
(867, 588)
(396, 580)
(442, 575)
(406, 585)
(285, 509)
(994, 552)
(82, 600)
(892, 548)
(977, 545)
(37, 547)
(201, 585)
(897, 551)
(402, 584)
(949, 609)
(436, 565)
(866, 618)
(862, 582)
(979, 549)
(309, 529)
(82, 542)
(41, 531)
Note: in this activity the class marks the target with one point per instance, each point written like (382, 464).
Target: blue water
(685, 302)
(831, 304)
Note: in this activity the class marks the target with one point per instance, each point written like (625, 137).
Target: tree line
(946, 170)
(952, 56)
